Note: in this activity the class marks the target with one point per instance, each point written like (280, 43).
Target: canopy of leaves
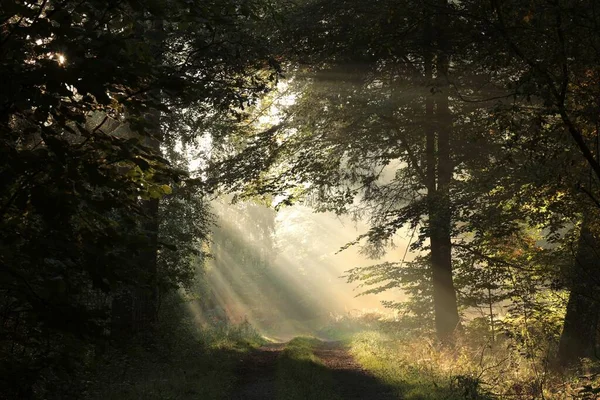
(89, 92)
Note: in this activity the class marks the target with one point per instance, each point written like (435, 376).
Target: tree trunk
(439, 176)
(578, 337)
(440, 220)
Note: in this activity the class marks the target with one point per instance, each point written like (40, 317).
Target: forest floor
(306, 369)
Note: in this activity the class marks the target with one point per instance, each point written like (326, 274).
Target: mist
(283, 271)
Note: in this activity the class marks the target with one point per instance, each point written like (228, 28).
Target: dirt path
(352, 381)
(257, 375)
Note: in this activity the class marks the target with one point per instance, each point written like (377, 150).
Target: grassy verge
(412, 378)
(301, 375)
(420, 370)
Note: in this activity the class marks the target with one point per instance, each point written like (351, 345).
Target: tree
(581, 320)
(373, 121)
(80, 80)
(504, 83)
(551, 48)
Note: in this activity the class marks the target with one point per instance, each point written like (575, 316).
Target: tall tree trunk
(440, 221)
(439, 176)
(444, 292)
(578, 337)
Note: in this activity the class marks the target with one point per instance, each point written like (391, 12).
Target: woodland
(151, 152)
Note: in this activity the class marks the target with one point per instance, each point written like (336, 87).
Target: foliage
(90, 91)
(414, 278)
(519, 94)
(344, 327)
(185, 222)
(184, 362)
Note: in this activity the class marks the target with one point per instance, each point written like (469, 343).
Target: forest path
(258, 376)
(352, 381)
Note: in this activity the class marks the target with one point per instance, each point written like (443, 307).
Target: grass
(519, 364)
(419, 369)
(412, 380)
(187, 363)
(301, 375)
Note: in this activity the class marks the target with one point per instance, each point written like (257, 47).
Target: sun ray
(282, 272)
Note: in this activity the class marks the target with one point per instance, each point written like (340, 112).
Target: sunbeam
(282, 272)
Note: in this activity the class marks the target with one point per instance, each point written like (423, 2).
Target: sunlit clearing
(281, 272)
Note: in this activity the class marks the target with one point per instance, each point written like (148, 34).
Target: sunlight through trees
(416, 178)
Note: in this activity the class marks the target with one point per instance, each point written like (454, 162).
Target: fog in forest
(315, 199)
(283, 272)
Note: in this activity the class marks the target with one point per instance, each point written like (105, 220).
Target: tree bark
(578, 337)
(440, 220)
(439, 176)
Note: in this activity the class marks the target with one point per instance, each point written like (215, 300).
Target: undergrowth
(181, 361)
(421, 369)
(343, 327)
(414, 368)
